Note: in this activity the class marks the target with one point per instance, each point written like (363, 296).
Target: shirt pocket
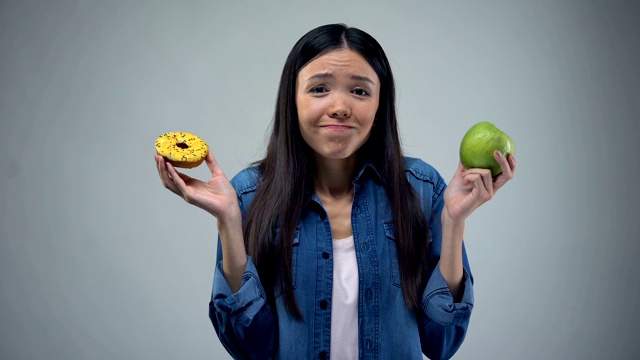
(278, 290)
(393, 254)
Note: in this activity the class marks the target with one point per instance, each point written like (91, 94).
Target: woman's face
(337, 96)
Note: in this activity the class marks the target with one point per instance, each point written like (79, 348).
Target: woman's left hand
(473, 187)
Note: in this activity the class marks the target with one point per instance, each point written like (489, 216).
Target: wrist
(452, 230)
(231, 219)
(449, 222)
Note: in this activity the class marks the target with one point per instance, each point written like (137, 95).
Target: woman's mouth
(336, 127)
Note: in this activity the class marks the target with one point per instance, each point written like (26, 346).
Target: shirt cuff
(438, 304)
(243, 304)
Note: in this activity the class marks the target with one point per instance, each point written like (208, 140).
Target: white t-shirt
(344, 301)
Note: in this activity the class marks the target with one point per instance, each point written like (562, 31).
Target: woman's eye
(318, 89)
(360, 92)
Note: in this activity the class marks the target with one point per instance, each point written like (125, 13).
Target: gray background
(99, 261)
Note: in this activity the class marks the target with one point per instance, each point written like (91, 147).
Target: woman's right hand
(217, 196)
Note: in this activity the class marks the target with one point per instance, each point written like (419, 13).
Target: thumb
(461, 170)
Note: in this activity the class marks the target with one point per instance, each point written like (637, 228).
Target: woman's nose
(340, 108)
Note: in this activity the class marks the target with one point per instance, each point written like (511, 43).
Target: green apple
(479, 143)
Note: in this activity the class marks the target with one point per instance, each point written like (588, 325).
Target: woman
(335, 244)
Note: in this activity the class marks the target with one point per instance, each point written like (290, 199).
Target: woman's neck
(334, 177)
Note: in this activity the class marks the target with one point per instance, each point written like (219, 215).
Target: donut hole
(182, 145)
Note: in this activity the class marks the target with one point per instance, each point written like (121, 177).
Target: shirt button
(365, 247)
(368, 344)
(356, 209)
(323, 355)
(324, 304)
(368, 293)
(325, 255)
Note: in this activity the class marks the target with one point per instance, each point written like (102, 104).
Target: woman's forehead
(338, 61)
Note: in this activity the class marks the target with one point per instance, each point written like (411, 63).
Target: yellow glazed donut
(182, 149)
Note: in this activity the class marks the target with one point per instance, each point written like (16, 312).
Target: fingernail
(498, 153)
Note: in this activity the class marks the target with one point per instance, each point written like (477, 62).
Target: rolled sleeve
(243, 304)
(438, 303)
(243, 321)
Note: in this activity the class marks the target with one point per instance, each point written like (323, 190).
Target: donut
(183, 150)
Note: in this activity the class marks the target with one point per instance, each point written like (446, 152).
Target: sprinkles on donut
(182, 149)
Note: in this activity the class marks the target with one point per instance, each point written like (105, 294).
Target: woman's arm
(467, 191)
(234, 259)
(244, 323)
(447, 300)
(451, 255)
(238, 309)
(219, 198)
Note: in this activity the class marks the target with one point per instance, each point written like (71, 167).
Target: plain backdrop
(99, 261)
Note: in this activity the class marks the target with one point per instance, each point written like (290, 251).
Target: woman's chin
(336, 154)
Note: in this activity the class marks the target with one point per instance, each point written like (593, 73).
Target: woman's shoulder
(246, 180)
(418, 170)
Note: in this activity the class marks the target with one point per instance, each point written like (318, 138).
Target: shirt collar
(367, 169)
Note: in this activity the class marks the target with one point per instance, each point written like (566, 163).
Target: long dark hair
(287, 172)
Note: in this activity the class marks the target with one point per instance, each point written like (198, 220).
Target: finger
(212, 164)
(155, 158)
(460, 171)
(512, 163)
(479, 187)
(508, 166)
(505, 164)
(487, 180)
(167, 181)
(484, 175)
(178, 181)
(159, 167)
(470, 181)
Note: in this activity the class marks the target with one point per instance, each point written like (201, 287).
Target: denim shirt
(387, 328)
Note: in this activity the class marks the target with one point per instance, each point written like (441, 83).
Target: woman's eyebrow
(324, 75)
(362, 78)
(327, 75)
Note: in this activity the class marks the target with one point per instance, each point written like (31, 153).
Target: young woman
(335, 245)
